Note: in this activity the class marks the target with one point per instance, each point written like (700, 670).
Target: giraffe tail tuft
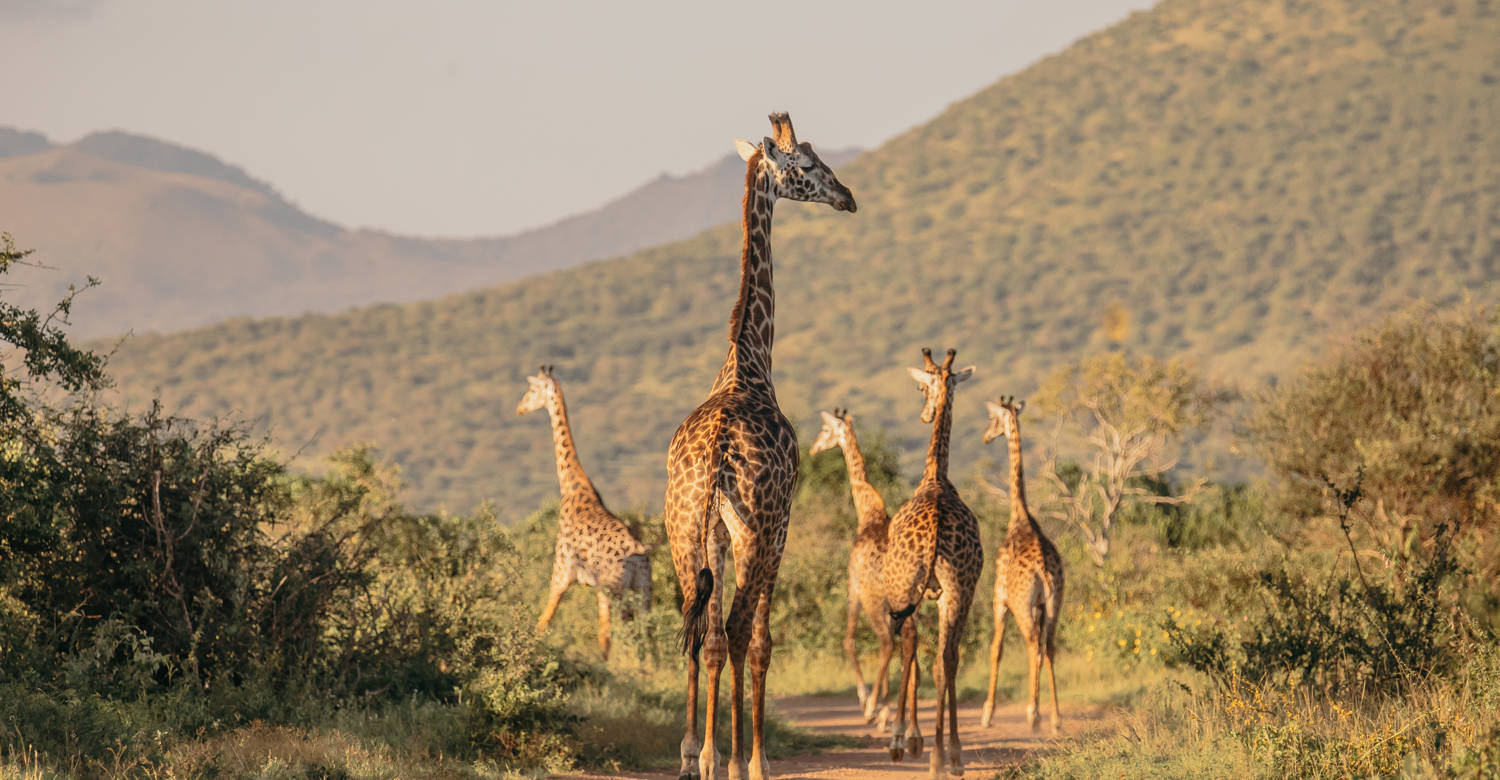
(695, 615)
(899, 616)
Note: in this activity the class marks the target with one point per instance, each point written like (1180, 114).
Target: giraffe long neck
(937, 450)
(1021, 521)
(570, 474)
(752, 326)
(868, 504)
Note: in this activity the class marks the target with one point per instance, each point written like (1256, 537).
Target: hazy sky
(469, 118)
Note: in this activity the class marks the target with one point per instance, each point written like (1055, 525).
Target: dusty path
(986, 751)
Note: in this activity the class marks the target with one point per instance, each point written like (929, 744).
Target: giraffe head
(1005, 419)
(796, 171)
(542, 390)
(836, 431)
(937, 382)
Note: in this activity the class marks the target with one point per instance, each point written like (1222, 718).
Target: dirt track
(986, 751)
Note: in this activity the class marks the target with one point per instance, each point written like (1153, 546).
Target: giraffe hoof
(916, 746)
(896, 754)
(687, 776)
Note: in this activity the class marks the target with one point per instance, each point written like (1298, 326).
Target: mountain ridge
(181, 238)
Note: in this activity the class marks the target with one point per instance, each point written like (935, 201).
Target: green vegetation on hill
(1227, 180)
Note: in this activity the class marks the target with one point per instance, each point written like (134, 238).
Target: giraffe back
(607, 554)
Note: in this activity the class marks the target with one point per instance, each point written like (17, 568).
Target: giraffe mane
(752, 169)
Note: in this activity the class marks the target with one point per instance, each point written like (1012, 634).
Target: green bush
(1335, 632)
(1410, 407)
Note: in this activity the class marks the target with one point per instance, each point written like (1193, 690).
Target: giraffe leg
(997, 649)
(1052, 674)
(905, 689)
(940, 675)
(1034, 650)
(563, 573)
(738, 629)
(914, 731)
(882, 683)
(715, 653)
(851, 651)
(603, 622)
(690, 746)
(955, 750)
(760, 664)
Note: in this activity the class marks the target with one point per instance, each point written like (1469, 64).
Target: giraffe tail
(695, 616)
(695, 613)
(899, 616)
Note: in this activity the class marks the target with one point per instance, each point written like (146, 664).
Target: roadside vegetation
(174, 602)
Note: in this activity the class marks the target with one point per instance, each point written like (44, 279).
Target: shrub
(1411, 407)
(1335, 632)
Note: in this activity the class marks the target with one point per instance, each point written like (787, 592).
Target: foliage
(1335, 634)
(1440, 728)
(45, 353)
(1126, 411)
(150, 525)
(1413, 408)
(1230, 181)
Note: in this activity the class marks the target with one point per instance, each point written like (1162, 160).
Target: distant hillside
(1237, 180)
(14, 143)
(181, 238)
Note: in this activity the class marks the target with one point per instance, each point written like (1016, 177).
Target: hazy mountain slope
(667, 208)
(181, 238)
(1227, 179)
(18, 142)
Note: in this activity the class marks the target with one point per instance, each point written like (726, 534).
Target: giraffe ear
(829, 419)
(961, 376)
(745, 148)
(994, 408)
(918, 374)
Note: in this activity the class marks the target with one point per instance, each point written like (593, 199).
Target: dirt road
(986, 751)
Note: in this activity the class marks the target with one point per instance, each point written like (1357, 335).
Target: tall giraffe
(731, 469)
(1028, 573)
(933, 551)
(866, 591)
(593, 546)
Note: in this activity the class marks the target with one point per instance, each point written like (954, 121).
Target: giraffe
(731, 469)
(865, 587)
(933, 551)
(593, 546)
(1028, 573)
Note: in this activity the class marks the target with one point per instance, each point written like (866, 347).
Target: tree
(1411, 410)
(1125, 412)
(45, 352)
